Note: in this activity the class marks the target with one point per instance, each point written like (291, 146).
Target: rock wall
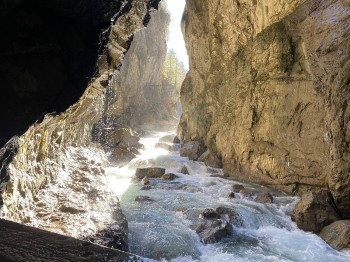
(138, 99)
(48, 53)
(55, 181)
(268, 91)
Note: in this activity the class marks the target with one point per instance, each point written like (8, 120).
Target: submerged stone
(143, 199)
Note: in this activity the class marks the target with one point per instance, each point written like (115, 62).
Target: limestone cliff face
(138, 98)
(55, 181)
(268, 90)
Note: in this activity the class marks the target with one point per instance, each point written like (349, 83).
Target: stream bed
(161, 229)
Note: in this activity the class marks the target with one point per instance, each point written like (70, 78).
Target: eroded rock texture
(56, 180)
(138, 98)
(268, 90)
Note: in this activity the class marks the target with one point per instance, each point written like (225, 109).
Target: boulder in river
(231, 195)
(210, 159)
(169, 176)
(337, 234)
(314, 211)
(184, 170)
(143, 199)
(264, 198)
(192, 150)
(236, 188)
(213, 230)
(145, 181)
(209, 213)
(150, 172)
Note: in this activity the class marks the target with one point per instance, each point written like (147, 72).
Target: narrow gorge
(112, 150)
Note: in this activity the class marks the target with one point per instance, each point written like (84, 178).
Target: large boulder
(210, 159)
(192, 150)
(150, 172)
(314, 211)
(337, 234)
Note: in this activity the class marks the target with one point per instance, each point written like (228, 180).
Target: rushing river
(160, 229)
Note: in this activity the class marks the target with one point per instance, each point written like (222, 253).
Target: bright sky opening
(176, 40)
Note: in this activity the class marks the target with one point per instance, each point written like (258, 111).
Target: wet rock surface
(210, 159)
(337, 234)
(150, 172)
(192, 150)
(314, 211)
(143, 199)
(212, 225)
(264, 198)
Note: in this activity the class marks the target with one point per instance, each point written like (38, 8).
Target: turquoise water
(160, 229)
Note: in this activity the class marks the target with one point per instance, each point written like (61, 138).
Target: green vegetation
(173, 70)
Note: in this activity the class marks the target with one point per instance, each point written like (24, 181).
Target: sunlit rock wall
(268, 90)
(55, 181)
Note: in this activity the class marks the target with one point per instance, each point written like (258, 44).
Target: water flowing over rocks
(268, 89)
(53, 176)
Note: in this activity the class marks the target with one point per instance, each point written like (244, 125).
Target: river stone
(314, 211)
(229, 215)
(145, 181)
(169, 176)
(209, 213)
(184, 170)
(236, 188)
(192, 150)
(264, 198)
(144, 188)
(213, 230)
(164, 146)
(150, 172)
(143, 199)
(231, 195)
(210, 159)
(337, 234)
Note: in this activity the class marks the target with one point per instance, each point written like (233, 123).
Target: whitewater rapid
(160, 230)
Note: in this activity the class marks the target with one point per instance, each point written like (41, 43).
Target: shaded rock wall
(48, 53)
(268, 91)
(55, 181)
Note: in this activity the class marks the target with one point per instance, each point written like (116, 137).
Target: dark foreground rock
(22, 243)
(337, 234)
(314, 211)
(150, 172)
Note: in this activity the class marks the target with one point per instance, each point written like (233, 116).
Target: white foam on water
(161, 229)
